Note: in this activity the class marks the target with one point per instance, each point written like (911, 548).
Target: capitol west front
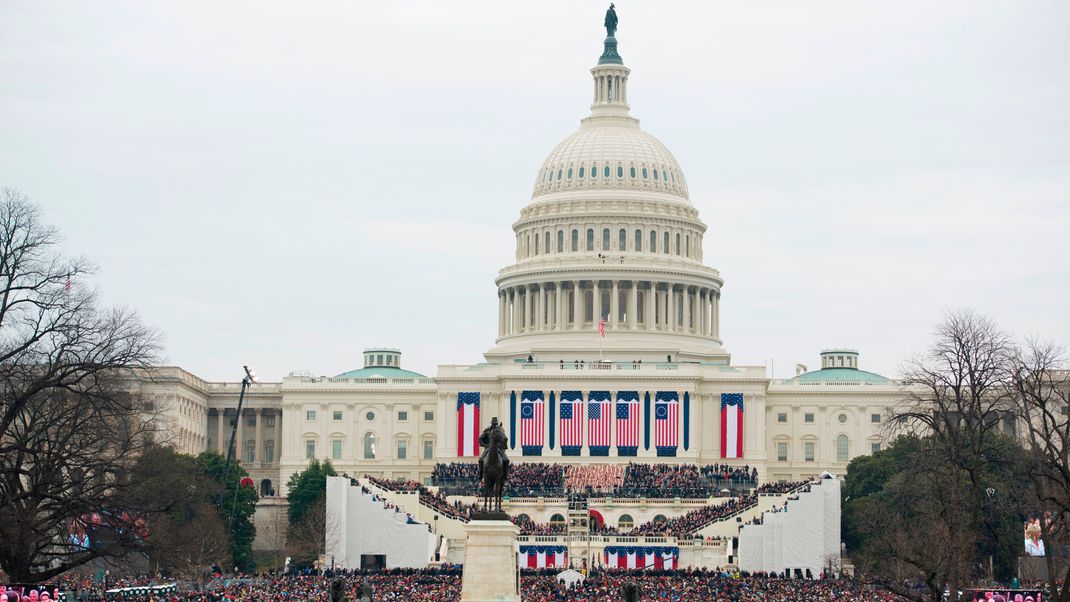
(609, 234)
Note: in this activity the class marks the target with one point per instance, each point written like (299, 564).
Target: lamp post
(250, 377)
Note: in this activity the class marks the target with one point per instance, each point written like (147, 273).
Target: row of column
(643, 306)
(260, 433)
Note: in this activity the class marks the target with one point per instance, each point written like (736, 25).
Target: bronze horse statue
(494, 471)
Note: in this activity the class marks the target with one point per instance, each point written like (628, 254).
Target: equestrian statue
(493, 465)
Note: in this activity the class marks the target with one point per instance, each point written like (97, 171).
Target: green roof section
(841, 375)
(380, 372)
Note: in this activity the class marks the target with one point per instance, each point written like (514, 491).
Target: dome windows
(581, 172)
(653, 241)
(638, 240)
(569, 174)
(622, 240)
(575, 241)
(620, 171)
(605, 171)
(559, 175)
(594, 171)
(655, 175)
(645, 173)
(560, 241)
(590, 239)
(605, 239)
(665, 244)
(631, 172)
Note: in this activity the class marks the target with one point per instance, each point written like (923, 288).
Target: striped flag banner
(599, 415)
(532, 411)
(666, 422)
(627, 414)
(467, 425)
(641, 557)
(571, 423)
(542, 557)
(602, 327)
(731, 425)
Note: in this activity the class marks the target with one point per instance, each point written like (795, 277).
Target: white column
(258, 450)
(687, 309)
(502, 309)
(614, 306)
(577, 305)
(693, 312)
(517, 313)
(670, 306)
(529, 307)
(717, 315)
(540, 307)
(633, 305)
(648, 307)
(596, 296)
(221, 415)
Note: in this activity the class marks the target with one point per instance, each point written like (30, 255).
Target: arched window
(569, 176)
(638, 240)
(842, 448)
(655, 175)
(536, 244)
(557, 520)
(560, 241)
(546, 246)
(522, 518)
(625, 522)
(645, 173)
(622, 240)
(265, 488)
(631, 171)
(369, 446)
(665, 244)
(677, 245)
(581, 172)
(590, 239)
(653, 241)
(575, 240)
(559, 175)
(594, 170)
(620, 171)
(605, 239)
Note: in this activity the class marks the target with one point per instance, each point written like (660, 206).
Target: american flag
(602, 327)
(571, 419)
(531, 418)
(627, 419)
(598, 416)
(666, 419)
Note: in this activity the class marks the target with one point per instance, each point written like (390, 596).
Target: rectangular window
(429, 416)
(337, 415)
(782, 451)
(842, 448)
(429, 450)
(605, 239)
(874, 448)
(269, 422)
(875, 418)
(403, 448)
(808, 451)
(808, 418)
(622, 242)
(250, 421)
(310, 415)
(782, 418)
(590, 239)
(250, 451)
(269, 451)
(336, 449)
(402, 415)
(310, 449)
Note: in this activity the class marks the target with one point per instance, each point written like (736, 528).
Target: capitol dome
(611, 154)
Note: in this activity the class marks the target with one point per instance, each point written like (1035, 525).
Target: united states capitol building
(609, 234)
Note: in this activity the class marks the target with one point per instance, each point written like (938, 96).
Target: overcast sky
(285, 183)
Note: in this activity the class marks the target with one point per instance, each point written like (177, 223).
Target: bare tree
(1041, 384)
(69, 429)
(956, 394)
(314, 535)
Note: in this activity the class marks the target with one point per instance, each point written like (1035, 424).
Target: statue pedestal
(490, 571)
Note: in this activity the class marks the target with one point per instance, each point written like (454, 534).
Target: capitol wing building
(609, 242)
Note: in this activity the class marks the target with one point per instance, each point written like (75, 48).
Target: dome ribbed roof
(635, 161)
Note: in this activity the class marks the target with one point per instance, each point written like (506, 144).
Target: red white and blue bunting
(642, 557)
(541, 557)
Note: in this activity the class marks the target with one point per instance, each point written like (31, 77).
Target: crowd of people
(444, 585)
(433, 499)
(594, 478)
(534, 479)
